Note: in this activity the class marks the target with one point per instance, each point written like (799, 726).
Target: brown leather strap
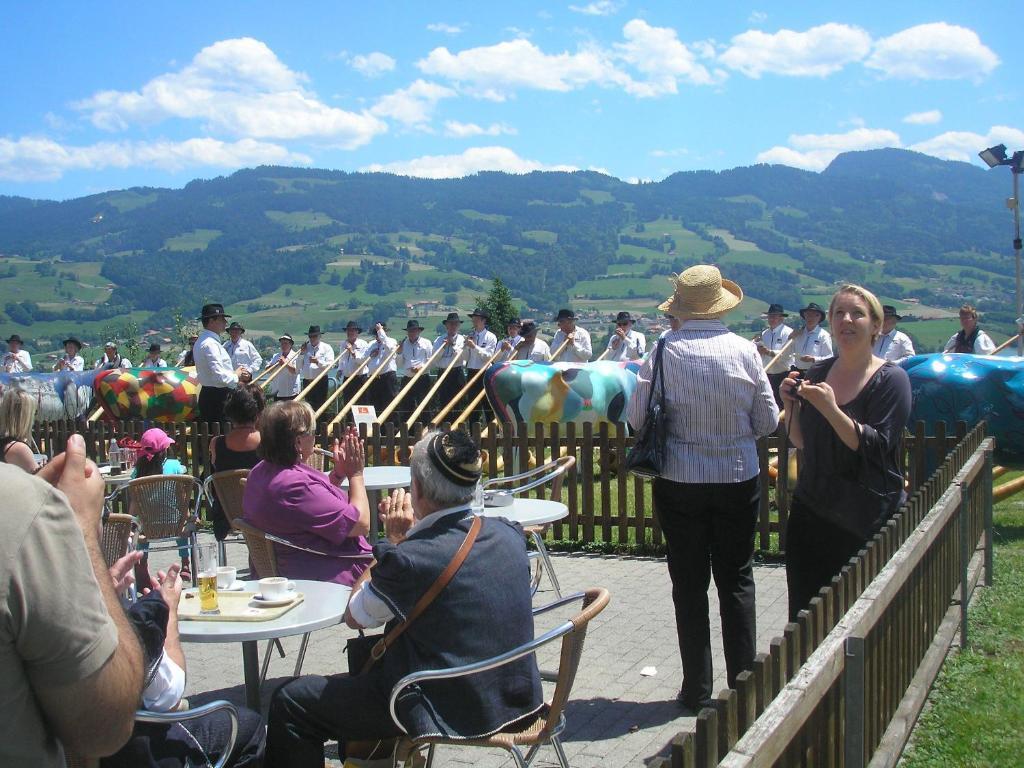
(428, 597)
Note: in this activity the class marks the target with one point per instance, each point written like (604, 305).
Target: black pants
(483, 409)
(775, 379)
(382, 393)
(311, 709)
(318, 394)
(211, 404)
(816, 550)
(448, 391)
(415, 396)
(709, 528)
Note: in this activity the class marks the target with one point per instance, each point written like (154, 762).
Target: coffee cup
(275, 587)
(226, 576)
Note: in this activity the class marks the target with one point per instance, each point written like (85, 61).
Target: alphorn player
(213, 365)
(415, 351)
(532, 348)
(243, 352)
(152, 358)
(384, 387)
(453, 356)
(892, 346)
(970, 338)
(186, 358)
(16, 359)
(285, 385)
(580, 347)
(511, 341)
(769, 342)
(813, 343)
(315, 356)
(482, 346)
(626, 343)
(71, 360)
(351, 352)
(111, 359)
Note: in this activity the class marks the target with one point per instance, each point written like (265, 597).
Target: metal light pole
(994, 156)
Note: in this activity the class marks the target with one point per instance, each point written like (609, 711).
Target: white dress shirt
(630, 348)
(244, 355)
(894, 346)
(213, 364)
(148, 363)
(486, 343)
(775, 339)
(507, 354)
(414, 355)
(349, 361)
(579, 351)
(817, 343)
(378, 350)
(718, 402)
(76, 363)
(315, 359)
(285, 383)
(182, 356)
(983, 345)
(538, 352)
(17, 362)
(107, 363)
(455, 353)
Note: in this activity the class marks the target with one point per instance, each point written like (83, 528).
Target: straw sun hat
(701, 294)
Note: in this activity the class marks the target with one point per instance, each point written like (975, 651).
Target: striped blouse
(718, 402)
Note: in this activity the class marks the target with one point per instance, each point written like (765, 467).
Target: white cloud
(757, 17)
(239, 87)
(598, 8)
(471, 161)
(459, 130)
(936, 51)
(930, 117)
(446, 29)
(34, 158)
(965, 145)
(373, 64)
(818, 52)
(413, 106)
(657, 53)
(813, 151)
(679, 151)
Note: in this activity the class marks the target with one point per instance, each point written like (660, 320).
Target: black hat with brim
(515, 321)
(453, 317)
(413, 325)
(212, 310)
(480, 313)
(154, 347)
(236, 326)
(74, 341)
(889, 310)
(314, 330)
(565, 314)
(15, 337)
(812, 307)
(623, 317)
(776, 309)
(528, 327)
(353, 324)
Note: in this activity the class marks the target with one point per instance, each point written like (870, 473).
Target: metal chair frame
(216, 482)
(189, 516)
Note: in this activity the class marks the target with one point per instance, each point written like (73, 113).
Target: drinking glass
(207, 562)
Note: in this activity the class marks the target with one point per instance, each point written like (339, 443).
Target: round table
(379, 479)
(528, 512)
(324, 606)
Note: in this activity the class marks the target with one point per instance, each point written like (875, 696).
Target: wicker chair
(550, 724)
(178, 716)
(118, 536)
(553, 472)
(164, 505)
(263, 556)
(229, 487)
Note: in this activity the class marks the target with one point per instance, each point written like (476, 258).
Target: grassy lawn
(975, 714)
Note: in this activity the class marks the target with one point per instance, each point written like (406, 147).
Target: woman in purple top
(286, 497)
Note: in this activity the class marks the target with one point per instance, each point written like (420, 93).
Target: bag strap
(381, 646)
(657, 377)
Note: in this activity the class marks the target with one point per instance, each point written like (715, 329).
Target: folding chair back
(118, 537)
(164, 504)
(230, 487)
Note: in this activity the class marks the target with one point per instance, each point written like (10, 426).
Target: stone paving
(616, 717)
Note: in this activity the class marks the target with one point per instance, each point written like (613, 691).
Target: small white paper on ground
(649, 671)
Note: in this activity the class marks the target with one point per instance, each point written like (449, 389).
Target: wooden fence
(844, 684)
(606, 504)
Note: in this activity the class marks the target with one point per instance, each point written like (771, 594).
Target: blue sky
(103, 95)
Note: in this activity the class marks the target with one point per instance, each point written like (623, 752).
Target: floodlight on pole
(995, 156)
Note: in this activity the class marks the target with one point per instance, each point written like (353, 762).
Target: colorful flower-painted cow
(154, 394)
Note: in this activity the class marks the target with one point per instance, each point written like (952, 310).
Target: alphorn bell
(462, 392)
(366, 385)
(433, 390)
(409, 384)
(337, 393)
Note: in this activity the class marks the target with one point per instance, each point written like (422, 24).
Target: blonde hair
(17, 414)
(874, 306)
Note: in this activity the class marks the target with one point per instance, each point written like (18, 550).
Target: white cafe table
(529, 512)
(323, 606)
(379, 479)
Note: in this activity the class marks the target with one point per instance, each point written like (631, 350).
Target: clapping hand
(168, 584)
(349, 454)
(396, 514)
(123, 571)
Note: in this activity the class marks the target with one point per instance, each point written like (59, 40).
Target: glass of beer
(207, 562)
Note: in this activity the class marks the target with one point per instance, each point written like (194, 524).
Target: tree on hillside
(498, 304)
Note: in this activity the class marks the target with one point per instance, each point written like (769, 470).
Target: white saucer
(289, 596)
(238, 586)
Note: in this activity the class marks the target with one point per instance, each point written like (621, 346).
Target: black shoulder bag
(647, 456)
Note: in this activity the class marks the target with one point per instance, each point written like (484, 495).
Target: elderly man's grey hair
(432, 483)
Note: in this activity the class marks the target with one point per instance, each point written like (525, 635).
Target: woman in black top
(848, 417)
(17, 414)
(237, 448)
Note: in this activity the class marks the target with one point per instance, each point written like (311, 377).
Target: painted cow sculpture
(957, 387)
(521, 390)
(59, 396)
(154, 394)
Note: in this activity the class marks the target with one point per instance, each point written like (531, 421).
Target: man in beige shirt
(69, 660)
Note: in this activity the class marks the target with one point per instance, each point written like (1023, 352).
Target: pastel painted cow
(154, 394)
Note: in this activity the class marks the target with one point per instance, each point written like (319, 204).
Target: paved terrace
(617, 717)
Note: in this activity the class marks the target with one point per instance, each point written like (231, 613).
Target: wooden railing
(606, 503)
(844, 684)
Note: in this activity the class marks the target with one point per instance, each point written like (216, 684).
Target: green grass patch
(541, 235)
(296, 221)
(129, 199)
(734, 243)
(597, 195)
(497, 218)
(196, 240)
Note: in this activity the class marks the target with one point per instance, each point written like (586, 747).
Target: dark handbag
(366, 650)
(647, 456)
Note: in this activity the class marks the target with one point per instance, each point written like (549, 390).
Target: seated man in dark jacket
(490, 591)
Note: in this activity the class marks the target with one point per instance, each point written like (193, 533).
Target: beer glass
(207, 562)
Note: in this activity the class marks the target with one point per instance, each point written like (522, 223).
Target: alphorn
(276, 370)
(337, 393)
(780, 353)
(603, 355)
(433, 390)
(314, 382)
(409, 384)
(1005, 344)
(462, 392)
(476, 400)
(560, 350)
(366, 385)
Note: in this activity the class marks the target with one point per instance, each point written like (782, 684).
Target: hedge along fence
(844, 684)
(606, 504)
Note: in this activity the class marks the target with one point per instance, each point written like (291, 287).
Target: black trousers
(414, 397)
(775, 379)
(318, 394)
(816, 550)
(311, 709)
(382, 392)
(709, 529)
(483, 410)
(211, 404)
(448, 391)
